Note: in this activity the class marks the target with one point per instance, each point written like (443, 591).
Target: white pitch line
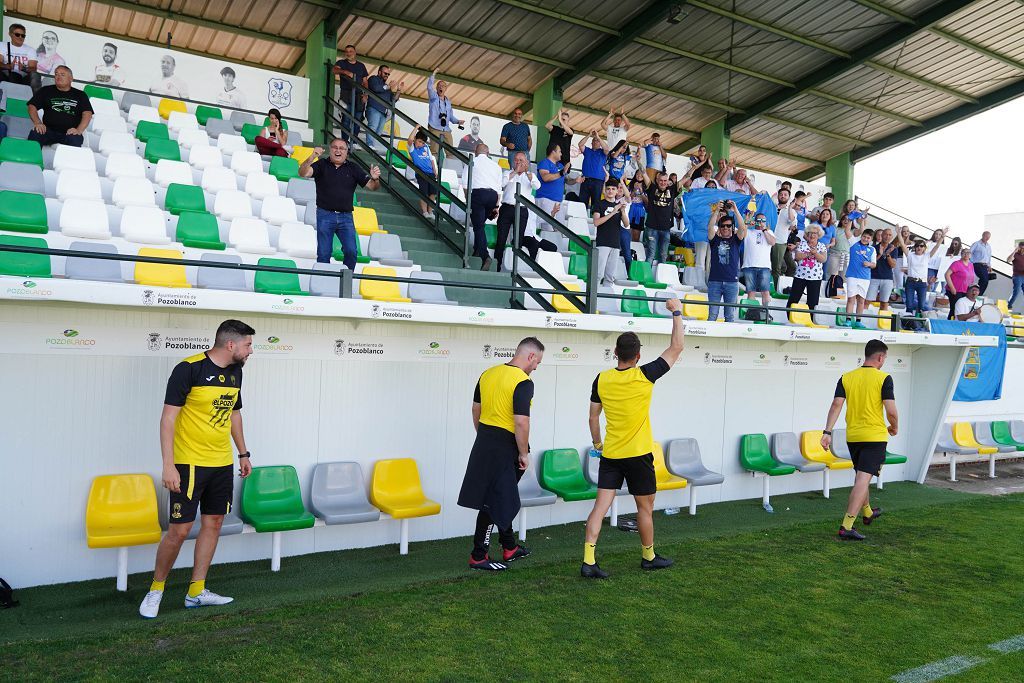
(1015, 644)
(939, 669)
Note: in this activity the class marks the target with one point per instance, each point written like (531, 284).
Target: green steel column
(716, 140)
(546, 103)
(839, 176)
(321, 47)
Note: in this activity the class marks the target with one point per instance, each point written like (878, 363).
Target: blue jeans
(625, 244)
(1018, 285)
(726, 292)
(657, 246)
(329, 224)
(757, 279)
(56, 137)
(3, 130)
(375, 122)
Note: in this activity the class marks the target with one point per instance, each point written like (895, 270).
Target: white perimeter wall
(67, 417)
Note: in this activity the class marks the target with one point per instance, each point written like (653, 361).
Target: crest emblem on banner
(154, 341)
(279, 92)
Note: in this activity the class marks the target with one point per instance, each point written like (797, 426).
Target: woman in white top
(810, 255)
(271, 140)
(915, 283)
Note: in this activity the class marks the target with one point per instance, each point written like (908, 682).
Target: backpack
(835, 281)
(756, 314)
(7, 595)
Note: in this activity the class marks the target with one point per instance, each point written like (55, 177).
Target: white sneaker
(207, 598)
(150, 606)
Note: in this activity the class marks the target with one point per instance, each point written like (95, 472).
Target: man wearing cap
(967, 307)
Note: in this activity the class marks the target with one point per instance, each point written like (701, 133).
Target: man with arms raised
(627, 453)
(201, 416)
(501, 453)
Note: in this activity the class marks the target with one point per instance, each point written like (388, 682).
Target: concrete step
(425, 244)
(474, 297)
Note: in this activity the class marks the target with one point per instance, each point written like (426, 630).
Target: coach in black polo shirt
(336, 178)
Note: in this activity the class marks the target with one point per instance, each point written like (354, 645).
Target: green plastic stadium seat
(639, 309)
(339, 254)
(897, 459)
(266, 122)
(755, 456)
(642, 273)
(397, 159)
(1002, 435)
(278, 283)
(272, 500)
(157, 149)
(442, 197)
(99, 92)
(562, 473)
(250, 131)
(22, 212)
(577, 249)
(18, 108)
(148, 130)
(184, 198)
(204, 113)
(578, 266)
(198, 229)
(284, 168)
(22, 151)
(24, 265)
(491, 230)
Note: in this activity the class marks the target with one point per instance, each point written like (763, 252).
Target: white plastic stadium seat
(217, 178)
(125, 165)
(179, 121)
(249, 235)
(277, 210)
(231, 204)
(134, 192)
(229, 144)
(204, 157)
(77, 184)
(578, 225)
(105, 107)
(80, 158)
(112, 141)
(193, 137)
(101, 122)
(576, 210)
(552, 262)
(84, 218)
(168, 172)
(140, 112)
(145, 225)
(261, 185)
(297, 240)
(244, 163)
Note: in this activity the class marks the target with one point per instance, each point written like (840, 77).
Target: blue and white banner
(981, 378)
(698, 206)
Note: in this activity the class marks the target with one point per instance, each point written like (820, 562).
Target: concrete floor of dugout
(973, 477)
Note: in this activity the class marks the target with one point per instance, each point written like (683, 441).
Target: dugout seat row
(992, 438)
(122, 509)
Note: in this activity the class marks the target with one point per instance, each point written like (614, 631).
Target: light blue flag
(699, 204)
(981, 377)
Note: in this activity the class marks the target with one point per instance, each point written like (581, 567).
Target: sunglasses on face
(18, 35)
(761, 220)
(727, 226)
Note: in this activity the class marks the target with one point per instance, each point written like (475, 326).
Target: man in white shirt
(109, 73)
(17, 60)
(739, 181)
(967, 307)
(520, 178)
(231, 95)
(487, 186)
(757, 258)
(616, 127)
(781, 257)
(168, 84)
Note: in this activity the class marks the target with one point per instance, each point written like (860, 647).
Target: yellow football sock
(647, 551)
(156, 585)
(867, 511)
(589, 550)
(196, 587)
(848, 521)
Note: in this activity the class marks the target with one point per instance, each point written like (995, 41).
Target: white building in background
(1007, 230)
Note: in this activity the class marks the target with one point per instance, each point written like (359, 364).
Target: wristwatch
(826, 431)
(244, 455)
(677, 313)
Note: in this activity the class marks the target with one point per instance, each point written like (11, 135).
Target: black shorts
(211, 487)
(637, 472)
(867, 456)
(427, 187)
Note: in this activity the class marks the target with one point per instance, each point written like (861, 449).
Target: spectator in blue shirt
(377, 113)
(654, 156)
(981, 257)
(594, 173)
(725, 236)
(863, 259)
(515, 136)
(440, 115)
(552, 181)
(352, 68)
(423, 160)
(618, 159)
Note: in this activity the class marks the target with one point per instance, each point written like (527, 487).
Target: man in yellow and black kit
(627, 454)
(870, 399)
(501, 453)
(201, 416)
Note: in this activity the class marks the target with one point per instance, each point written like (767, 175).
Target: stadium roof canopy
(797, 81)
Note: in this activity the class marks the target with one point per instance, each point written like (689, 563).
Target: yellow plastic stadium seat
(666, 480)
(1003, 306)
(688, 258)
(159, 274)
(503, 162)
(803, 317)
(300, 153)
(885, 323)
(397, 128)
(379, 290)
(695, 311)
(562, 304)
(166, 106)
(121, 511)
(396, 490)
(810, 447)
(963, 435)
(365, 220)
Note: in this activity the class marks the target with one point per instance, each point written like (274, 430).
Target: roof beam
(665, 91)
(877, 111)
(448, 35)
(713, 62)
(332, 22)
(923, 82)
(776, 153)
(451, 79)
(654, 12)
(868, 51)
(964, 111)
(813, 129)
(980, 49)
(560, 16)
(199, 21)
(887, 11)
